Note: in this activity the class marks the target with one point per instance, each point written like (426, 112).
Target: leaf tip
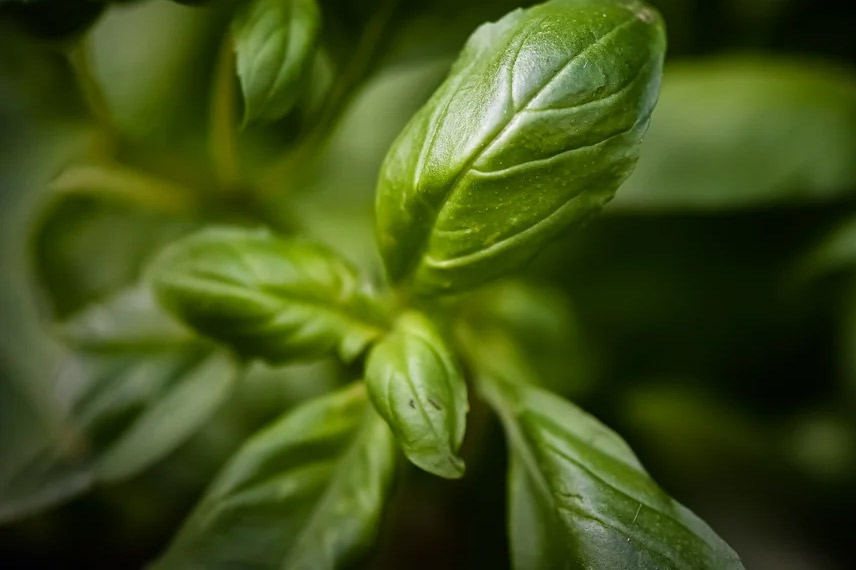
(445, 465)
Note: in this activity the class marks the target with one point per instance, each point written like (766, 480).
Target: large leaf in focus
(306, 492)
(737, 132)
(537, 124)
(267, 297)
(275, 43)
(97, 227)
(417, 386)
(579, 498)
(131, 393)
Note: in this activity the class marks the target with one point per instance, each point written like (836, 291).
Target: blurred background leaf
(737, 132)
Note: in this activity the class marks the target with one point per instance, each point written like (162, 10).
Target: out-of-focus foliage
(731, 132)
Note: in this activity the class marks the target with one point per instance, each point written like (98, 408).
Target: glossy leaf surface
(306, 492)
(418, 388)
(274, 42)
(270, 298)
(579, 498)
(537, 124)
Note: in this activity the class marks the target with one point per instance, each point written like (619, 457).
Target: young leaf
(419, 390)
(738, 132)
(538, 123)
(579, 497)
(306, 492)
(274, 42)
(270, 298)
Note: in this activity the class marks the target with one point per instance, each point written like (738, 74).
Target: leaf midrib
(484, 146)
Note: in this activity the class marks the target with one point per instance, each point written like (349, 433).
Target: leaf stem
(80, 59)
(223, 120)
(127, 185)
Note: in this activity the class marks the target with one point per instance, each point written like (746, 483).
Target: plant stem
(224, 135)
(123, 184)
(80, 58)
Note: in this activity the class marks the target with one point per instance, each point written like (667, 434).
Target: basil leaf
(738, 132)
(149, 384)
(306, 492)
(128, 321)
(418, 388)
(98, 208)
(29, 481)
(130, 394)
(538, 123)
(267, 297)
(531, 327)
(579, 498)
(275, 44)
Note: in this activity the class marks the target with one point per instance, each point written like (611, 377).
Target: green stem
(224, 134)
(122, 184)
(80, 58)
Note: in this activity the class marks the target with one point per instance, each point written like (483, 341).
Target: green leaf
(306, 492)
(275, 44)
(130, 394)
(579, 498)
(532, 327)
(176, 415)
(418, 388)
(835, 252)
(736, 132)
(270, 298)
(97, 228)
(31, 478)
(538, 123)
(128, 321)
(148, 385)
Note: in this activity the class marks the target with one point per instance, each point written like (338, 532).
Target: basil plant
(539, 121)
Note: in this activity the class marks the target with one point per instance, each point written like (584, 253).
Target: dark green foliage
(199, 322)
